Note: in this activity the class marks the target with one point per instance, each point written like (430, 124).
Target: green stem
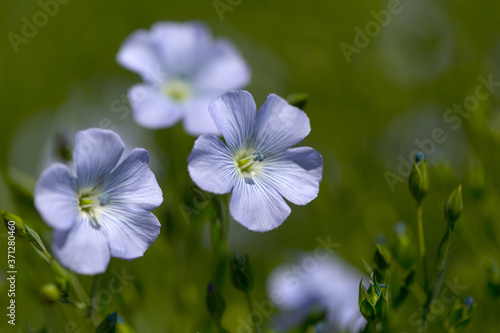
(220, 226)
(422, 244)
(227, 218)
(250, 308)
(443, 259)
(93, 297)
(77, 286)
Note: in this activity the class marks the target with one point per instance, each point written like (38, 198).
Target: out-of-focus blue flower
(328, 284)
(256, 162)
(184, 69)
(102, 209)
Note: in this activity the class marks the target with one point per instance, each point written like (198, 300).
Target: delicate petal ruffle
(296, 174)
(257, 206)
(183, 46)
(132, 183)
(83, 248)
(97, 151)
(197, 120)
(151, 108)
(224, 69)
(56, 197)
(129, 231)
(234, 114)
(211, 166)
(279, 125)
(140, 54)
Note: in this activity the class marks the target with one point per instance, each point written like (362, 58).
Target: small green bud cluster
(460, 315)
(374, 301)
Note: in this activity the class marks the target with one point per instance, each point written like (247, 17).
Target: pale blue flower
(184, 69)
(256, 160)
(316, 283)
(102, 209)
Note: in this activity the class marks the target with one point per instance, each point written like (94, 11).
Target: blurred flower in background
(184, 69)
(418, 44)
(101, 208)
(312, 285)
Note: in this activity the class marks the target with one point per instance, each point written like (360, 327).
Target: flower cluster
(99, 203)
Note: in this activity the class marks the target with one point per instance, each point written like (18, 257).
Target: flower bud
(475, 178)
(241, 274)
(493, 278)
(460, 315)
(13, 223)
(454, 206)
(402, 246)
(374, 302)
(419, 182)
(365, 306)
(49, 294)
(215, 303)
(63, 147)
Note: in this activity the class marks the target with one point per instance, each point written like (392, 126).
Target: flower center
(177, 89)
(248, 165)
(90, 203)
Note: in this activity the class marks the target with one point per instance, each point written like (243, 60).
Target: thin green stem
(422, 244)
(220, 226)
(250, 308)
(93, 296)
(227, 217)
(77, 286)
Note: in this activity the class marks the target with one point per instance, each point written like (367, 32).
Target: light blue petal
(224, 69)
(153, 109)
(234, 114)
(197, 120)
(296, 174)
(183, 46)
(56, 197)
(129, 231)
(139, 53)
(211, 166)
(279, 125)
(257, 206)
(83, 248)
(132, 183)
(97, 151)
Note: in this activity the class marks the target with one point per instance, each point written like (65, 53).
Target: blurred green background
(364, 115)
